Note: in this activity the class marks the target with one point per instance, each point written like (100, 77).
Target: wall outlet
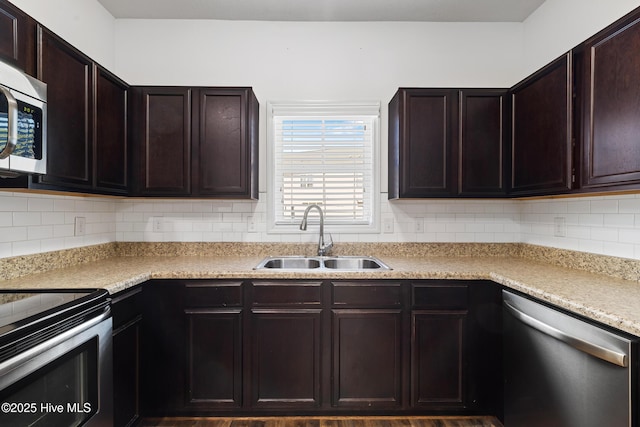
(157, 225)
(559, 226)
(418, 225)
(387, 225)
(80, 226)
(251, 225)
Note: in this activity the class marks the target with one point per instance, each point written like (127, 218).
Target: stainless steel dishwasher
(561, 371)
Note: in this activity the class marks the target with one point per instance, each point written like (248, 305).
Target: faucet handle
(326, 247)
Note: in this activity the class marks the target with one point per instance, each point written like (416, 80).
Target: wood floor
(324, 422)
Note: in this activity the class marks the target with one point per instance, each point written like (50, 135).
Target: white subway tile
(630, 206)
(39, 232)
(604, 206)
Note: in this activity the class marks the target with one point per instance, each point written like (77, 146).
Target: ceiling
(327, 10)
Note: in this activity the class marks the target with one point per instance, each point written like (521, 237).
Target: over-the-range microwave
(23, 123)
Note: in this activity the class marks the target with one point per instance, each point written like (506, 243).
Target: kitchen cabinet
(542, 129)
(246, 347)
(69, 77)
(285, 345)
(607, 69)
(421, 131)
(87, 134)
(200, 142)
(439, 320)
(367, 368)
(17, 37)
(161, 141)
(163, 373)
(127, 325)
(482, 150)
(225, 153)
(447, 142)
(214, 330)
(110, 167)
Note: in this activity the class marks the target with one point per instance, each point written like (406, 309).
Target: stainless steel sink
(354, 263)
(343, 263)
(293, 262)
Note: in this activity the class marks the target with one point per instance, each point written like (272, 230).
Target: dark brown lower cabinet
(214, 358)
(285, 359)
(367, 351)
(320, 347)
(438, 358)
(127, 326)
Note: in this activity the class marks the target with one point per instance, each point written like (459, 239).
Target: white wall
(83, 23)
(285, 61)
(559, 25)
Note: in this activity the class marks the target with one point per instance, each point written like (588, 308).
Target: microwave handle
(12, 130)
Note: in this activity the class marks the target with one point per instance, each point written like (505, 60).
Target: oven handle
(595, 350)
(29, 354)
(12, 127)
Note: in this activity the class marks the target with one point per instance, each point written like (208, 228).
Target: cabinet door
(17, 37)
(162, 141)
(224, 150)
(110, 133)
(367, 365)
(164, 342)
(420, 149)
(542, 131)
(610, 108)
(127, 326)
(126, 377)
(483, 126)
(68, 75)
(214, 358)
(285, 354)
(437, 359)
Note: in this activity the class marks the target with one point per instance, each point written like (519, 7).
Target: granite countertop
(609, 300)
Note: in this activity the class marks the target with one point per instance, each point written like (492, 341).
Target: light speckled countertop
(612, 301)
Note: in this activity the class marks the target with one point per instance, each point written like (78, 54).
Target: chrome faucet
(323, 248)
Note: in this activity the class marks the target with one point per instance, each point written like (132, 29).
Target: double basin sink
(342, 263)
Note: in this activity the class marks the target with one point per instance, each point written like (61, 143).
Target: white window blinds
(324, 156)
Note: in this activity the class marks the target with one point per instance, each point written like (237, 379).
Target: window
(324, 154)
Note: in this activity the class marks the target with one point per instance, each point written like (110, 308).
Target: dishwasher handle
(611, 356)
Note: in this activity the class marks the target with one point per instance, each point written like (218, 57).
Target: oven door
(65, 381)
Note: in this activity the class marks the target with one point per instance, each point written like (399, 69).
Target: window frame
(330, 109)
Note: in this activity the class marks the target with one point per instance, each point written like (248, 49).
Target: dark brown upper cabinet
(200, 142)
(610, 81)
(69, 77)
(447, 142)
(17, 37)
(421, 123)
(483, 126)
(225, 154)
(541, 146)
(86, 123)
(161, 141)
(110, 133)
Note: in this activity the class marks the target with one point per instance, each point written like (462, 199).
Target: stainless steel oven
(55, 359)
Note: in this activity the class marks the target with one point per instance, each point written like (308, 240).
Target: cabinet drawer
(286, 293)
(213, 294)
(440, 296)
(367, 294)
(125, 306)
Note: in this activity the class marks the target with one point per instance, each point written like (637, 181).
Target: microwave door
(28, 124)
(8, 126)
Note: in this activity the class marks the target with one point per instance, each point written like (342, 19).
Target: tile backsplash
(33, 223)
